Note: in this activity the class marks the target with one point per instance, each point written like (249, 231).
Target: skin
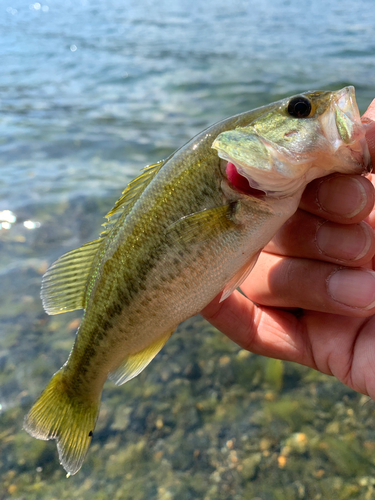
(320, 264)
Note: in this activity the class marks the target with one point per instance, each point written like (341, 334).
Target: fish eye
(299, 107)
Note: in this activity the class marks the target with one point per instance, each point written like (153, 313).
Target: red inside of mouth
(240, 182)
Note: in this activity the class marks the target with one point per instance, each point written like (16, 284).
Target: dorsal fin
(131, 194)
(64, 283)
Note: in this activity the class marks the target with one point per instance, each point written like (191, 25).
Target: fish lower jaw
(361, 155)
(241, 183)
(240, 179)
(353, 159)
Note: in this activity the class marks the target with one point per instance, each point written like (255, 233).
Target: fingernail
(343, 242)
(353, 287)
(347, 198)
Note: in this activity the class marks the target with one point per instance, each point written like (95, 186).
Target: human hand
(321, 263)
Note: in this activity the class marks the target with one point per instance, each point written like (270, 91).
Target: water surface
(90, 92)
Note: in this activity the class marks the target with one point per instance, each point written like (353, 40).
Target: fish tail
(57, 414)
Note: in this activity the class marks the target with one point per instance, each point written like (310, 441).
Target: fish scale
(182, 232)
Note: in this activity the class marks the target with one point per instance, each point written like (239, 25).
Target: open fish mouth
(277, 159)
(241, 183)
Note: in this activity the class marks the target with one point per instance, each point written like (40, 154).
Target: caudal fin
(59, 415)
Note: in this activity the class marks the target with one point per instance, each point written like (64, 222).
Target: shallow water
(89, 93)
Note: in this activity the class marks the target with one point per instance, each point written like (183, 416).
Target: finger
(309, 284)
(333, 344)
(275, 333)
(339, 198)
(368, 119)
(308, 236)
(258, 329)
(371, 218)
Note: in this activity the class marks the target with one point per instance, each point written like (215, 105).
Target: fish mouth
(241, 183)
(260, 164)
(350, 130)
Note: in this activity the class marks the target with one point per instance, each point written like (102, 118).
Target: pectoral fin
(204, 224)
(135, 363)
(239, 277)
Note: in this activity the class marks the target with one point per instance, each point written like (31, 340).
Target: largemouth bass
(186, 229)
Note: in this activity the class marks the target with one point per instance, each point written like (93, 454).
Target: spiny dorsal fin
(131, 194)
(64, 283)
(135, 363)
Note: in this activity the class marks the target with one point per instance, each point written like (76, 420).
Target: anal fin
(134, 364)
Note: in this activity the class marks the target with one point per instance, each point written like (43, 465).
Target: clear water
(91, 91)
